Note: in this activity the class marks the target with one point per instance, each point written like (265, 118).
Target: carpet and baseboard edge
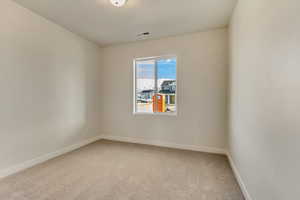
(166, 144)
(239, 178)
(186, 147)
(30, 163)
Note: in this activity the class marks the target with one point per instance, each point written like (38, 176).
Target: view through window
(155, 85)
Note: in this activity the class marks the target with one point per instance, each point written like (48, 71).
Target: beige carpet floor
(107, 170)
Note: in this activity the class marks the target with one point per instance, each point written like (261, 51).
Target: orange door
(159, 103)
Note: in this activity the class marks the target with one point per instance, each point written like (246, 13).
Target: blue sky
(166, 69)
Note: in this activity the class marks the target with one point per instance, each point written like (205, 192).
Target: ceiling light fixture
(118, 3)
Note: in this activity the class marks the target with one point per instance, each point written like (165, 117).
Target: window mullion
(155, 87)
(135, 86)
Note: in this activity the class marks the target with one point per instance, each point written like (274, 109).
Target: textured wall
(44, 89)
(265, 99)
(202, 85)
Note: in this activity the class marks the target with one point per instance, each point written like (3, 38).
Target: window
(155, 85)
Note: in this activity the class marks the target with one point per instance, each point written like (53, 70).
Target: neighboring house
(168, 87)
(145, 96)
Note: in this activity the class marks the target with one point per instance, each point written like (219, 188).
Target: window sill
(156, 114)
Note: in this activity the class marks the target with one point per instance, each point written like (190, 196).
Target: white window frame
(134, 84)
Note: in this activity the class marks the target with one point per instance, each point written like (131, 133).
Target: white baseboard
(166, 144)
(239, 178)
(186, 147)
(41, 159)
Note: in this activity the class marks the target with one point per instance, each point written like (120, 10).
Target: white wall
(202, 85)
(43, 84)
(265, 98)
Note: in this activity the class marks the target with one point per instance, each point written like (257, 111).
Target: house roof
(168, 82)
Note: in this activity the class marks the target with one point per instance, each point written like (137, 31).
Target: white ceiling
(99, 21)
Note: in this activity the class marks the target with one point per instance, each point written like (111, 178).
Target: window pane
(145, 85)
(166, 85)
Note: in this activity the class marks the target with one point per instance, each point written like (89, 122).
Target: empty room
(149, 100)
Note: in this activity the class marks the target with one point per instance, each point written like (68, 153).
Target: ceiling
(101, 22)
